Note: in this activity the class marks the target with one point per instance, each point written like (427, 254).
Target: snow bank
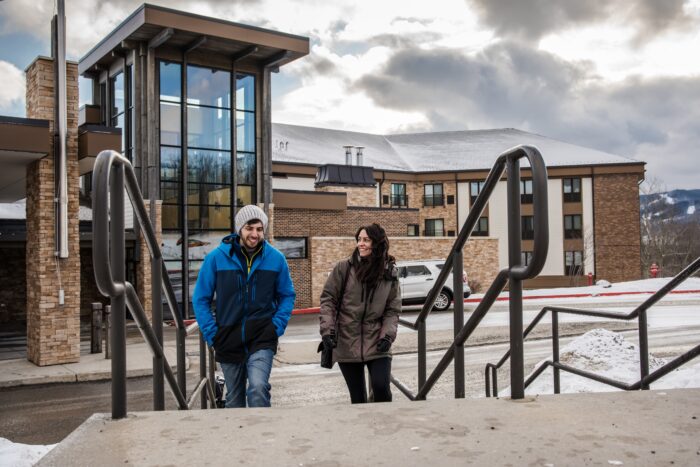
(21, 455)
(607, 354)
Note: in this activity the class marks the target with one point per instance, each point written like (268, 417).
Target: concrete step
(618, 428)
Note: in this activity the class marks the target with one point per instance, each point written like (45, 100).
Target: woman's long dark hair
(371, 269)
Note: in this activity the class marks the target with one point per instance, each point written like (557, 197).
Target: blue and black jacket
(254, 299)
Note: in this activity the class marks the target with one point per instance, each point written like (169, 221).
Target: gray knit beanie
(248, 213)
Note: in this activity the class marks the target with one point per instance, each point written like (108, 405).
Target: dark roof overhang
(158, 26)
(345, 175)
(22, 141)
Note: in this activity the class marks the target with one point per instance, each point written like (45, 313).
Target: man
(254, 300)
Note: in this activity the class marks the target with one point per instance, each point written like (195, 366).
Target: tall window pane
(208, 127)
(170, 87)
(208, 86)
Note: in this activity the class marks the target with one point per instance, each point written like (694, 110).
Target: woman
(367, 315)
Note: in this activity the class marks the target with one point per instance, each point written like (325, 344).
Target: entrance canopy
(158, 26)
(22, 141)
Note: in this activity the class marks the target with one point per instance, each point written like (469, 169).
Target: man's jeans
(256, 370)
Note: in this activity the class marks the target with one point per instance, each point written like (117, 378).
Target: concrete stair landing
(636, 428)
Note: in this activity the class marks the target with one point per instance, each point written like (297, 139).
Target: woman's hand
(384, 344)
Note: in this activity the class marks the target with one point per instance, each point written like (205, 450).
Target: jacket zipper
(362, 326)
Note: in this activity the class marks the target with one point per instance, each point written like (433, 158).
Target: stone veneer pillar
(143, 268)
(53, 330)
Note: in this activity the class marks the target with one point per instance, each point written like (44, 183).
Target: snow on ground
(644, 285)
(21, 455)
(608, 354)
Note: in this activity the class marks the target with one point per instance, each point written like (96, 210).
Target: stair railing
(639, 313)
(112, 174)
(508, 162)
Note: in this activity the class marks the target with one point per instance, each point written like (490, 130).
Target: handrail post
(116, 261)
(181, 360)
(555, 351)
(96, 328)
(157, 320)
(212, 374)
(108, 332)
(422, 353)
(458, 288)
(515, 286)
(643, 348)
(202, 367)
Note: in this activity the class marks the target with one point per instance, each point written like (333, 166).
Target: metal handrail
(112, 174)
(640, 313)
(508, 161)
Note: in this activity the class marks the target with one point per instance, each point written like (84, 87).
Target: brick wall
(143, 267)
(480, 256)
(617, 235)
(357, 196)
(326, 223)
(13, 293)
(53, 330)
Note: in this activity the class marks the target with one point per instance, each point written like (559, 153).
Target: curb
(308, 311)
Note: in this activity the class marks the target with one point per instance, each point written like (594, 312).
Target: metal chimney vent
(359, 154)
(348, 155)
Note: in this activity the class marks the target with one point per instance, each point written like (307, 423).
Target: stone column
(143, 268)
(53, 330)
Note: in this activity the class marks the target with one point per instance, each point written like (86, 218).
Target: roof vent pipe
(348, 155)
(359, 154)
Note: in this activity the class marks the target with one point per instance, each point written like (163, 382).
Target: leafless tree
(667, 240)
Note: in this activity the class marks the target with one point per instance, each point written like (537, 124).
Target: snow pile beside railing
(608, 354)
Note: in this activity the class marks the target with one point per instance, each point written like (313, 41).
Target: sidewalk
(91, 367)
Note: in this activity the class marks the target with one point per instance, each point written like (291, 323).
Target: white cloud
(12, 89)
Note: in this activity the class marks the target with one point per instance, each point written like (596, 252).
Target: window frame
(481, 229)
(433, 232)
(433, 200)
(572, 193)
(305, 248)
(573, 263)
(527, 231)
(573, 232)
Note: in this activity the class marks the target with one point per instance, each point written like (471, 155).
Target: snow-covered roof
(426, 152)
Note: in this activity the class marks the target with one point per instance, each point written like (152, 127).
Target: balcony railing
(434, 233)
(399, 201)
(433, 200)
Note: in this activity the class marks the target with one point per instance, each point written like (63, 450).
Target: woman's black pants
(379, 371)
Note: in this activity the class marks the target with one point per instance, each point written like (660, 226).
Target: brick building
(421, 186)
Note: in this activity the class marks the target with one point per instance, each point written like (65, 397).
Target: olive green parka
(366, 315)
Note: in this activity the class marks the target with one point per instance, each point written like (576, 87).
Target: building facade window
(433, 195)
(292, 247)
(121, 108)
(573, 226)
(206, 106)
(474, 190)
(434, 228)
(527, 227)
(398, 195)
(412, 230)
(573, 263)
(525, 258)
(572, 190)
(481, 229)
(526, 191)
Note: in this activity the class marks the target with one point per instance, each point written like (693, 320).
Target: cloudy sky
(621, 76)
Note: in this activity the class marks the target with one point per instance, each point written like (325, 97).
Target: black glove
(384, 344)
(329, 340)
